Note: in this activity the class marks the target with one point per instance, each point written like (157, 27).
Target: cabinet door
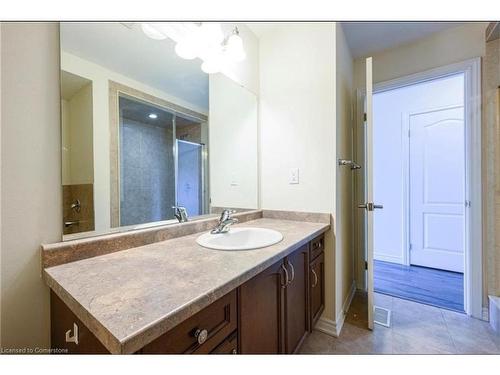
(261, 312)
(63, 320)
(297, 296)
(317, 288)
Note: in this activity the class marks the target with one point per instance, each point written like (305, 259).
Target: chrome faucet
(225, 221)
(180, 214)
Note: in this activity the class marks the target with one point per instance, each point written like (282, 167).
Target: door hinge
(364, 117)
(467, 203)
(408, 133)
(366, 265)
(410, 246)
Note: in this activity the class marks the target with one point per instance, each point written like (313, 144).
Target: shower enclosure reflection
(161, 164)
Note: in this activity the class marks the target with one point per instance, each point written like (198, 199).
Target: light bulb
(211, 66)
(211, 32)
(186, 50)
(152, 32)
(234, 48)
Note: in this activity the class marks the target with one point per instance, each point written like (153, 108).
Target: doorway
(421, 160)
(419, 175)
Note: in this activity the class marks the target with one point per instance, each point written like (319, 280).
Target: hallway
(415, 329)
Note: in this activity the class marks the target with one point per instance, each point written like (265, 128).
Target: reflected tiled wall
(147, 174)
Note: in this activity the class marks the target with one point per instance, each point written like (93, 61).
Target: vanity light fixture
(153, 116)
(152, 32)
(205, 40)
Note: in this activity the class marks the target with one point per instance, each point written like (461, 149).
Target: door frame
(203, 167)
(473, 264)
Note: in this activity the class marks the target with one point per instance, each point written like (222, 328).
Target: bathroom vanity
(175, 296)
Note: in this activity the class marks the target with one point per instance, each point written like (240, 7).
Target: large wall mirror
(145, 130)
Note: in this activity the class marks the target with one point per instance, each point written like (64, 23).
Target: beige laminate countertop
(131, 297)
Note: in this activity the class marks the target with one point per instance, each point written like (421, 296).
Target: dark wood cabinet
(228, 346)
(261, 312)
(317, 288)
(269, 314)
(68, 334)
(296, 299)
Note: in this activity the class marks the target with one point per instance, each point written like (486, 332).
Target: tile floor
(415, 329)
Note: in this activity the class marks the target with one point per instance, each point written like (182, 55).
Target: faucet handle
(226, 214)
(180, 213)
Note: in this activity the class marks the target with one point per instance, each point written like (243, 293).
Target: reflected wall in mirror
(144, 130)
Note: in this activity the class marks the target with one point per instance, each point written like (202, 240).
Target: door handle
(370, 206)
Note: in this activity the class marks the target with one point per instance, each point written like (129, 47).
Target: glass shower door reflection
(190, 177)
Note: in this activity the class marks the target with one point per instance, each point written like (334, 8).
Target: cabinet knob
(234, 351)
(201, 335)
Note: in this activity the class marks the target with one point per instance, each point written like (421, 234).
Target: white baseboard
(327, 326)
(331, 327)
(388, 258)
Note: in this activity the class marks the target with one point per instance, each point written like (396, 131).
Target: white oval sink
(240, 239)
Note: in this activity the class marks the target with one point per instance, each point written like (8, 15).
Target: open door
(368, 205)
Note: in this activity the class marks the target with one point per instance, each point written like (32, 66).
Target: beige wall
(31, 177)
(344, 258)
(297, 125)
(77, 128)
(446, 47)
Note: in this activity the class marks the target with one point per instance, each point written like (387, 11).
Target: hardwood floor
(439, 288)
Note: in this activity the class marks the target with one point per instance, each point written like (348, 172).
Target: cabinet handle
(293, 272)
(317, 245)
(201, 335)
(234, 351)
(315, 278)
(286, 276)
(73, 338)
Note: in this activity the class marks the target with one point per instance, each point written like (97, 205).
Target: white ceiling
(365, 38)
(125, 49)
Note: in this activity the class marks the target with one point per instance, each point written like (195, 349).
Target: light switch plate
(293, 177)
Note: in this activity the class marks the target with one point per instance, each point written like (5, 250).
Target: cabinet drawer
(228, 346)
(201, 333)
(317, 246)
(317, 288)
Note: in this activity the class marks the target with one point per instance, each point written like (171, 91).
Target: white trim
(388, 258)
(473, 275)
(331, 327)
(327, 326)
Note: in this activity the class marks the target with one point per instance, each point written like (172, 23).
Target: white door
(437, 188)
(368, 204)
